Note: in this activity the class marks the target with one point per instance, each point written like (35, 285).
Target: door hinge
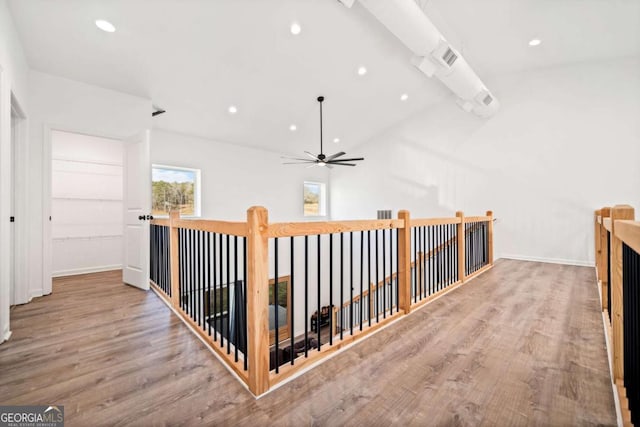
(12, 219)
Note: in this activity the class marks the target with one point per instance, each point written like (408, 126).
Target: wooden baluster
(461, 252)
(404, 262)
(174, 254)
(490, 237)
(597, 242)
(604, 257)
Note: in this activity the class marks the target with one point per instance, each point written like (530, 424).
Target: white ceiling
(194, 58)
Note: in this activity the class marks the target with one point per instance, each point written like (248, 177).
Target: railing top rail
(160, 221)
(223, 227)
(292, 229)
(419, 222)
(607, 223)
(629, 232)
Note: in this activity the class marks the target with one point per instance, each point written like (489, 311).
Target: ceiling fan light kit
(321, 159)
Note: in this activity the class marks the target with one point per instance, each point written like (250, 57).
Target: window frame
(197, 190)
(322, 203)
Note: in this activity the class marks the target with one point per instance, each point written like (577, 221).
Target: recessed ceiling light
(404, 97)
(233, 109)
(105, 25)
(293, 128)
(336, 140)
(362, 70)
(295, 28)
(535, 42)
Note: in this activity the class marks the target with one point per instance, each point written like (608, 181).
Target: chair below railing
(272, 299)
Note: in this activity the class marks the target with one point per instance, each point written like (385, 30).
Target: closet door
(137, 211)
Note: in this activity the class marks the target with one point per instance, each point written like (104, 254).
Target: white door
(137, 208)
(12, 231)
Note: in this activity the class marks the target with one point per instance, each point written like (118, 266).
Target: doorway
(86, 203)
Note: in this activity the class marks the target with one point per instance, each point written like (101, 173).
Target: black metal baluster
(397, 281)
(341, 285)
(351, 280)
(291, 300)
(361, 275)
(207, 311)
(319, 302)
(192, 282)
(425, 253)
(384, 276)
(377, 300)
(306, 296)
(331, 308)
(276, 304)
(369, 308)
(237, 310)
(228, 268)
(417, 263)
(221, 288)
(198, 256)
(244, 293)
(215, 290)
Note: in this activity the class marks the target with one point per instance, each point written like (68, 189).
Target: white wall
(565, 142)
(61, 104)
(86, 203)
(13, 79)
(234, 178)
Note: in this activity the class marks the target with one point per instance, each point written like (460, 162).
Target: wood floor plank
(521, 344)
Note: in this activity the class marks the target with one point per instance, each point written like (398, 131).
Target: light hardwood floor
(520, 345)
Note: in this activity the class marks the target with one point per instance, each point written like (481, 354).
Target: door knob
(149, 216)
(141, 217)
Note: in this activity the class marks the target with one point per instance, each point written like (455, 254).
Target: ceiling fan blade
(299, 163)
(313, 156)
(355, 159)
(335, 156)
(341, 164)
(295, 158)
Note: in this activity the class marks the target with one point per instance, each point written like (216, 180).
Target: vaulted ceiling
(195, 58)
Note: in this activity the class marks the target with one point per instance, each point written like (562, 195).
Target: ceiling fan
(321, 159)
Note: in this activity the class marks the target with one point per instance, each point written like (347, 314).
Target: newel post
(258, 299)
(174, 254)
(404, 262)
(604, 258)
(461, 248)
(490, 237)
(618, 212)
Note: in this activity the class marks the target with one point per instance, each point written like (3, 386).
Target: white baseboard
(34, 294)
(86, 270)
(549, 260)
(6, 334)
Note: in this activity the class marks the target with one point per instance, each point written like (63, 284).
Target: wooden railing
(617, 254)
(274, 298)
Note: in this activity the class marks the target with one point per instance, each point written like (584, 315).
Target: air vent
(384, 214)
(487, 100)
(449, 57)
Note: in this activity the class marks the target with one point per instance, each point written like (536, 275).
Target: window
(315, 199)
(175, 188)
